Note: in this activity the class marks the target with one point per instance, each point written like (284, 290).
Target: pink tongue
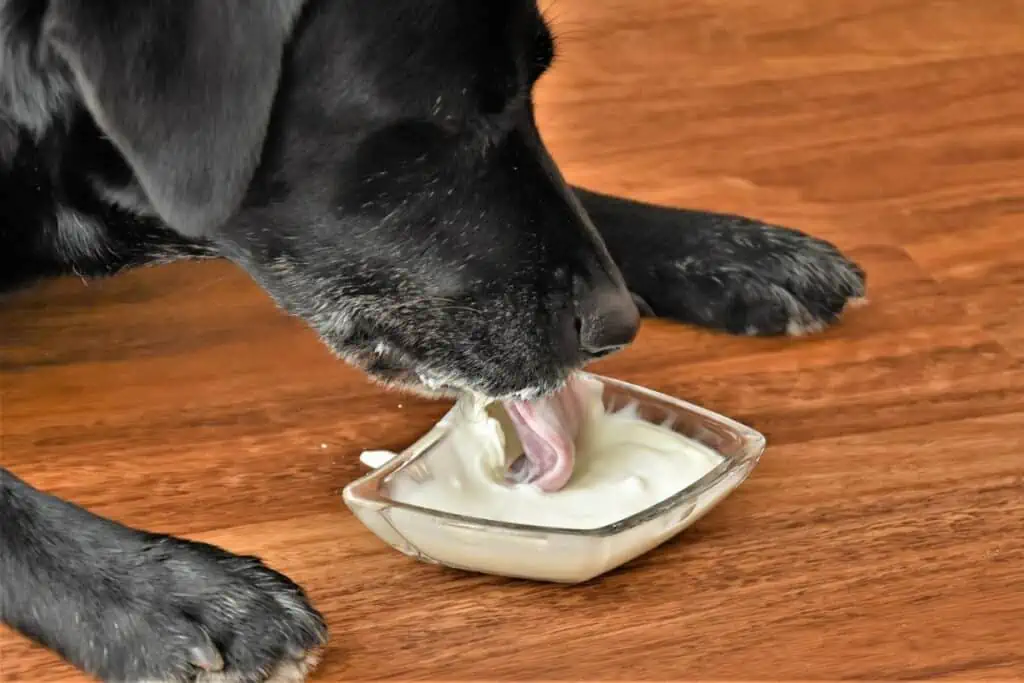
(548, 428)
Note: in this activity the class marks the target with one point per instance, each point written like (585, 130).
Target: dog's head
(375, 166)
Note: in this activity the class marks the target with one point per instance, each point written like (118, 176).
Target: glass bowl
(547, 553)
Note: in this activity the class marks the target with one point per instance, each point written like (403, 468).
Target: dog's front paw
(193, 613)
(744, 277)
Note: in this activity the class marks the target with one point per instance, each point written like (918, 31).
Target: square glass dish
(541, 553)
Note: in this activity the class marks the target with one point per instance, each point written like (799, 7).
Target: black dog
(376, 167)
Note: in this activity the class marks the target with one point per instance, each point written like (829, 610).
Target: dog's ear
(183, 89)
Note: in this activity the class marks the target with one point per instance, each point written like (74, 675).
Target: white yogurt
(624, 465)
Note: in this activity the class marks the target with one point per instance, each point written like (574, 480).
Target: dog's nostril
(601, 353)
(607, 319)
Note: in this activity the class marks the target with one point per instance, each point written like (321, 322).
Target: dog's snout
(606, 316)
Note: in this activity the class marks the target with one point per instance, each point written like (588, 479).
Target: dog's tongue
(547, 429)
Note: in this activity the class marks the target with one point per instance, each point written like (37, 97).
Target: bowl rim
(366, 489)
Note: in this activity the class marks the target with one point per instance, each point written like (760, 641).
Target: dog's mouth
(547, 420)
(547, 428)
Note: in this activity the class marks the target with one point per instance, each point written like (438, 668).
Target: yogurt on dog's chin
(624, 465)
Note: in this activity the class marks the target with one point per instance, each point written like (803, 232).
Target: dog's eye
(544, 53)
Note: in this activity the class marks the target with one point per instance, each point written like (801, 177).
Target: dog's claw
(206, 657)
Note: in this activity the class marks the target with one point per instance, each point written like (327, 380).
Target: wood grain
(881, 537)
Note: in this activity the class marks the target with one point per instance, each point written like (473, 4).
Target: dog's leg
(724, 272)
(134, 607)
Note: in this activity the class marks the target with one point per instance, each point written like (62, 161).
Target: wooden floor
(883, 534)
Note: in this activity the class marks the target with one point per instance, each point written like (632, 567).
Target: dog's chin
(397, 371)
(431, 385)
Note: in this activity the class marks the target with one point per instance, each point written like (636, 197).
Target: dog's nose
(607, 318)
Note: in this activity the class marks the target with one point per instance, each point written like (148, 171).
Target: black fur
(377, 169)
